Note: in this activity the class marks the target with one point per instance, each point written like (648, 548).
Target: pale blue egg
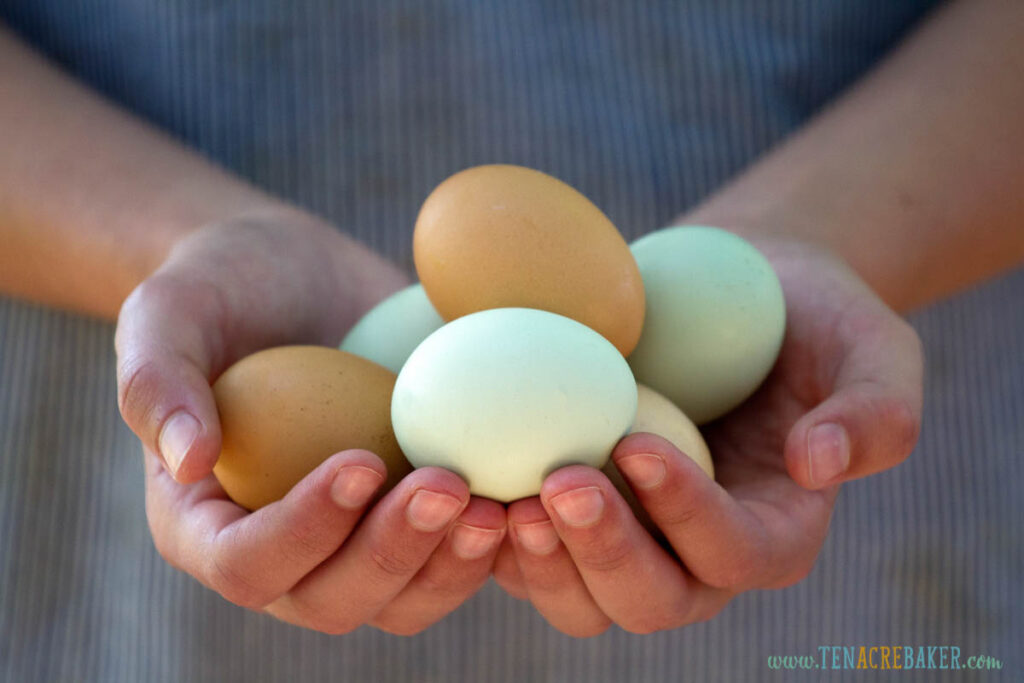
(504, 397)
(714, 322)
(390, 331)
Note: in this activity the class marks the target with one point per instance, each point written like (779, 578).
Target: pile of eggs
(537, 338)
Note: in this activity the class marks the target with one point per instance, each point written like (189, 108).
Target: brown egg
(285, 410)
(507, 236)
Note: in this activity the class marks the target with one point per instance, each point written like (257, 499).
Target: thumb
(872, 418)
(165, 353)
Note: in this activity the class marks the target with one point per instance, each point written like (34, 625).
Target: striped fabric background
(356, 110)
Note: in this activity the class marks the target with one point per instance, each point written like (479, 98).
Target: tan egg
(507, 236)
(657, 415)
(285, 410)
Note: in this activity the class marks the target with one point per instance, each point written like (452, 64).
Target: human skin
(224, 291)
(914, 179)
(843, 401)
(876, 181)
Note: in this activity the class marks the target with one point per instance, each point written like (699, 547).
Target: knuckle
(605, 556)
(390, 563)
(796, 575)
(299, 610)
(441, 584)
(165, 550)
(310, 539)
(742, 569)
(138, 386)
(163, 541)
(544, 584)
(730, 575)
(682, 504)
(906, 427)
(684, 511)
(225, 577)
(130, 306)
(910, 336)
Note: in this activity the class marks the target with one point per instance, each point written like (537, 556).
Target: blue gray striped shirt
(356, 110)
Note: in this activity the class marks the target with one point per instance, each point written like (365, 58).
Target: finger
(182, 326)
(394, 541)
(252, 559)
(506, 571)
(872, 419)
(456, 570)
(165, 344)
(725, 542)
(633, 580)
(553, 584)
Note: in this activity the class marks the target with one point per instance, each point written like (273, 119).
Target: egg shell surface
(655, 414)
(504, 397)
(285, 410)
(389, 332)
(507, 236)
(715, 319)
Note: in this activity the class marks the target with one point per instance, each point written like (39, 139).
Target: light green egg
(390, 331)
(506, 396)
(714, 322)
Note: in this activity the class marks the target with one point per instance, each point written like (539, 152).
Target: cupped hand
(324, 556)
(843, 401)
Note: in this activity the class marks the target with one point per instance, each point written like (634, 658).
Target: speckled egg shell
(285, 410)
(506, 236)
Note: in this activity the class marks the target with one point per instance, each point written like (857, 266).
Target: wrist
(782, 233)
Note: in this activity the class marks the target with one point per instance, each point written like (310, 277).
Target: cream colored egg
(655, 414)
(390, 331)
(504, 397)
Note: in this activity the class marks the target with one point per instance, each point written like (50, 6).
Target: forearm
(92, 199)
(916, 176)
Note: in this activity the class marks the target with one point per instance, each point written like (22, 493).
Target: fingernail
(472, 542)
(176, 438)
(828, 449)
(354, 485)
(642, 470)
(579, 507)
(432, 511)
(540, 538)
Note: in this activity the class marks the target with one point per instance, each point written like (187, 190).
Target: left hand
(325, 556)
(843, 401)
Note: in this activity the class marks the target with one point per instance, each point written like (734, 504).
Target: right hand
(228, 290)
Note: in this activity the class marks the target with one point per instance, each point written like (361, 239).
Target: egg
(504, 397)
(285, 410)
(390, 331)
(715, 319)
(655, 414)
(506, 236)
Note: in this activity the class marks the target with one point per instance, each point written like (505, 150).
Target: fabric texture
(356, 111)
